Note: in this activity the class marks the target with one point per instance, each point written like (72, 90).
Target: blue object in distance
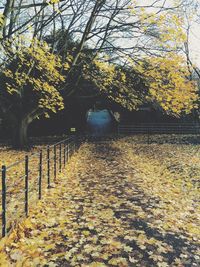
(99, 122)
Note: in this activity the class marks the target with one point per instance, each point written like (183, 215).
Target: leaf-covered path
(108, 209)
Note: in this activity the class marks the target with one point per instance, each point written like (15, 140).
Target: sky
(195, 44)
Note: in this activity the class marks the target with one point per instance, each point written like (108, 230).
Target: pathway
(99, 214)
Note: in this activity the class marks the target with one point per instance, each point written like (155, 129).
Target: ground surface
(15, 179)
(118, 203)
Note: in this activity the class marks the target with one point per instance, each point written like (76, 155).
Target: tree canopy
(168, 82)
(127, 50)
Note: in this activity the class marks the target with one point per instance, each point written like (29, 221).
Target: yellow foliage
(38, 70)
(168, 81)
(52, 2)
(167, 24)
(113, 81)
(96, 264)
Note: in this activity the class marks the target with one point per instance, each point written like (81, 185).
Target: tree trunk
(20, 137)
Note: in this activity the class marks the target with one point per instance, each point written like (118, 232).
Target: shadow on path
(181, 251)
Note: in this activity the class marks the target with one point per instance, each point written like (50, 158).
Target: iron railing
(24, 181)
(159, 128)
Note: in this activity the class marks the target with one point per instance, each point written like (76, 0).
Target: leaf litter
(117, 204)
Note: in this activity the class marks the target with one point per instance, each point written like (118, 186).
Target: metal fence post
(60, 157)
(64, 154)
(77, 143)
(74, 144)
(67, 150)
(55, 159)
(48, 167)
(40, 176)
(26, 184)
(3, 200)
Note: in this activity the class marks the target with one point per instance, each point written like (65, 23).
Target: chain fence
(25, 181)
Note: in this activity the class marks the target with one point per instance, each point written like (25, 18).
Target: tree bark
(20, 136)
(20, 129)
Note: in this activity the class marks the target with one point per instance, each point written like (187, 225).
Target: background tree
(169, 84)
(191, 16)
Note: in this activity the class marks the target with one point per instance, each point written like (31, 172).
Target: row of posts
(71, 146)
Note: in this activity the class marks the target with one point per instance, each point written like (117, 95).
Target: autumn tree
(97, 76)
(190, 15)
(30, 83)
(120, 84)
(125, 30)
(152, 29)
(169, 83)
